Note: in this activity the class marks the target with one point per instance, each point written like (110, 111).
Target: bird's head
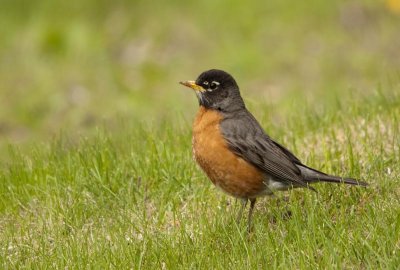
(218, 90)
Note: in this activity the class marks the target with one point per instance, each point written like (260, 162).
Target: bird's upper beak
(193, 85)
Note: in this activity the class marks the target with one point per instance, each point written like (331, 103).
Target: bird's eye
(214, 85)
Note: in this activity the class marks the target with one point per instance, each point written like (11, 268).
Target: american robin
(234, 151)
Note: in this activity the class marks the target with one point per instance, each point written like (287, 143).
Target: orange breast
(225, 169)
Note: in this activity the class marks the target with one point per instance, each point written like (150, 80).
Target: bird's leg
(252, 203)
(243, 206)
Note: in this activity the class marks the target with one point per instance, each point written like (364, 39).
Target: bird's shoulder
(243, 126)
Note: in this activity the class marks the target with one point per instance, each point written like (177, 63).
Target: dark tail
(311, 176)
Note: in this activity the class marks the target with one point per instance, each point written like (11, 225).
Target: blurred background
(71, 66)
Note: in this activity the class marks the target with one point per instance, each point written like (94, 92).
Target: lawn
(96, 169)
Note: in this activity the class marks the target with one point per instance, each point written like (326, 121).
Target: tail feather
(311, 175)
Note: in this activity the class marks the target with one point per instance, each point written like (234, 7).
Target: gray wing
(246, 138)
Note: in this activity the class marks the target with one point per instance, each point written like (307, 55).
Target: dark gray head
(218, 90)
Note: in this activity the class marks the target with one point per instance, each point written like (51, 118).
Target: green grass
(95, 133)
(135, 199)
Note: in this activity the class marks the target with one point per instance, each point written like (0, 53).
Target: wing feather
(246, 138)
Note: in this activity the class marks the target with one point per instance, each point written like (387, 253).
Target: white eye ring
(213, 86)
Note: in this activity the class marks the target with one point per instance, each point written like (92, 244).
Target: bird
(235, 152)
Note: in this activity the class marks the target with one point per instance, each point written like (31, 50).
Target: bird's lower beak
(193, 85)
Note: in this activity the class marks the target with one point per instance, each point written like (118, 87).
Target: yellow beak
(193, 85)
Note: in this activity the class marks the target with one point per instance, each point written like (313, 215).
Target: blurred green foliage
(73, 65)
